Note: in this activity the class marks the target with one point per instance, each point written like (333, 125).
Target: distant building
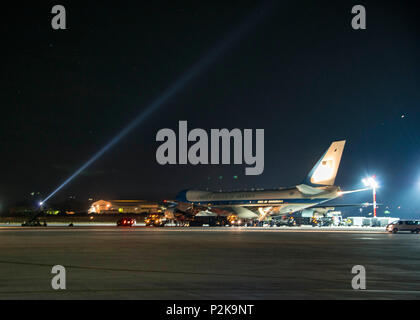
(124, 206)
(22, 210)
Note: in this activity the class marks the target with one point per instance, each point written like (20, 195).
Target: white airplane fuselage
(317, 188)
(282, 201)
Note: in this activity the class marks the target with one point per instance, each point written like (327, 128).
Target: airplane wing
(244, 213)
(308, 190)
(240, 212)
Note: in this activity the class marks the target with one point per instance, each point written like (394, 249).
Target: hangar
(124, 206)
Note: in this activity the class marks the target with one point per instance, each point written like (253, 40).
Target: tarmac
(107, 262)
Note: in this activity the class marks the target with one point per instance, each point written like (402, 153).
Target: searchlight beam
(192, 73)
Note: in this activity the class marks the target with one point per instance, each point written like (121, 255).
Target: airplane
(308, 196)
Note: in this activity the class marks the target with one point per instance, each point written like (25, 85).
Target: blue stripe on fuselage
(272, 202)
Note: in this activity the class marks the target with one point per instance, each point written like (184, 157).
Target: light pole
(41, 206)
(371, 182)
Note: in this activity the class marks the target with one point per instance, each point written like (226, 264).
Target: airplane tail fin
(325, 171)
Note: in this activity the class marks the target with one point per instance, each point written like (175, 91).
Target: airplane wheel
(394, 230)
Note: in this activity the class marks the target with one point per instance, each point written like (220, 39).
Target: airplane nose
(182, 196)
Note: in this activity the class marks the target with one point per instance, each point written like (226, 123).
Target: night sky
(298, 70)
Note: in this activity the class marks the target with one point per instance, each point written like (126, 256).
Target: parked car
(404, 225)
(126, 222)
